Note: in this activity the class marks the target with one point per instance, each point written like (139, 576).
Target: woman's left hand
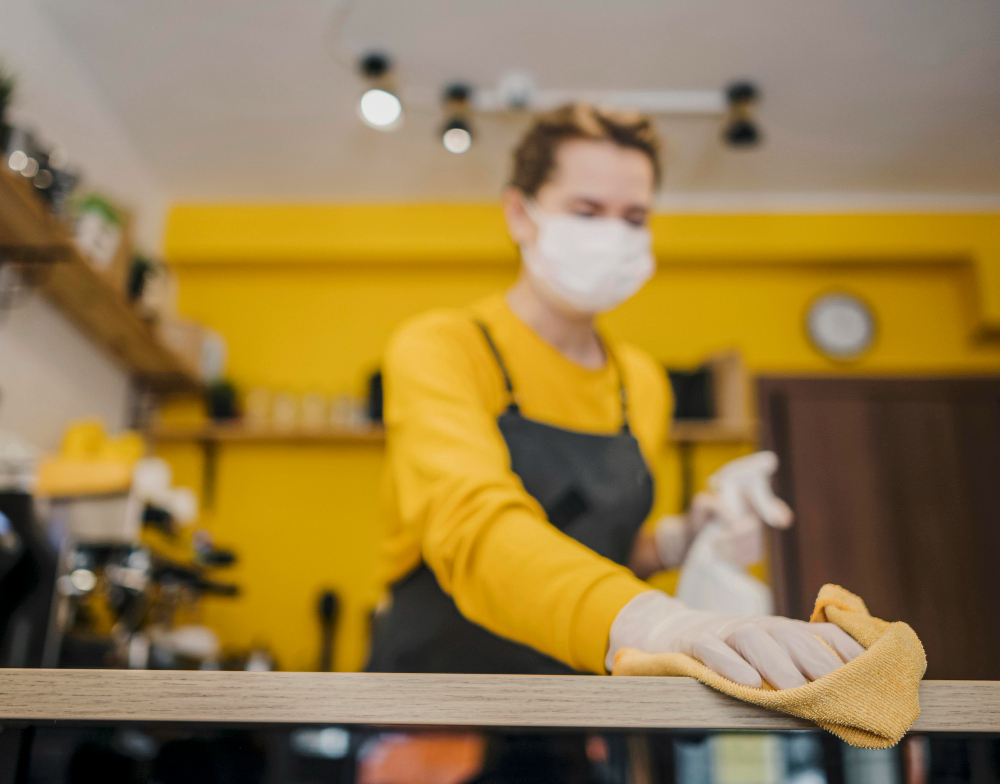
(748, 650)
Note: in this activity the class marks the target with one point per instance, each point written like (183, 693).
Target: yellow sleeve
(486, 540)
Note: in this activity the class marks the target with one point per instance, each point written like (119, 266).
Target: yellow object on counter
(90, 462)
(870, 702)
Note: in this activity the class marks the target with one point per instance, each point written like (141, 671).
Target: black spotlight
(740, 129)
(456, 133)
(375, 65)
(380, 107)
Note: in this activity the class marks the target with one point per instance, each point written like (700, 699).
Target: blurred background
(213, 215)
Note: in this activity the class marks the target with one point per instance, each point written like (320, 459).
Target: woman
(518, 444)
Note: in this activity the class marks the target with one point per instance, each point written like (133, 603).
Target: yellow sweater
(452, 500)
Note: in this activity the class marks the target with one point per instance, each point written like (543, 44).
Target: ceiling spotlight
(379, 107)
(740, 129)
(456, 134)
(457, 137)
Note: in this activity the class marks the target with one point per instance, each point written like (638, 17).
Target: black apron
(595, 488)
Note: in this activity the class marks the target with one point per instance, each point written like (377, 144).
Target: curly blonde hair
(535, 154)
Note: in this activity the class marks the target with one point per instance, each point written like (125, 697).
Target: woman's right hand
(741, 541)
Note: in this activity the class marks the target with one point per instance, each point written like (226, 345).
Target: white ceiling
(246, 99)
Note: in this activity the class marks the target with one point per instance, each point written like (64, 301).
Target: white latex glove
(672, 536)
(742, 536)
(745, 484)
(749, 650)
(742, 542)
(741, 501)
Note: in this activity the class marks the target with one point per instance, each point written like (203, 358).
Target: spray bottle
(713, 576)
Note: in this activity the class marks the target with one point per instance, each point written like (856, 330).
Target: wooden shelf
(29, 232)
(210, 433)
(453, 700)
(25, 225)
(719, 431)
(731, 394)
(699, 432)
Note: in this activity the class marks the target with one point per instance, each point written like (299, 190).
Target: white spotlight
(457, 140)
(380, 109)
(456, 135)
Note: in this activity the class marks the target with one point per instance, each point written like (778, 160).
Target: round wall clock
(840, 326)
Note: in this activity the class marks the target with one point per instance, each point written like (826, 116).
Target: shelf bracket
(209, 471)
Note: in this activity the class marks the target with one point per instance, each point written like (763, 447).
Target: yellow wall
(307, 297)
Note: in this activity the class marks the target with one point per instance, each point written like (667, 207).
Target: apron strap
(622, 392)
(513, 406)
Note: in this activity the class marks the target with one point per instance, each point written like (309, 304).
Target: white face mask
(593, 264)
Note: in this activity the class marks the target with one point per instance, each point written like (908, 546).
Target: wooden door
(896, 488)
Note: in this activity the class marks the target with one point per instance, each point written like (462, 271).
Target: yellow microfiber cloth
(870, 702)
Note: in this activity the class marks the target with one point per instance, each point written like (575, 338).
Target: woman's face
(590, 178)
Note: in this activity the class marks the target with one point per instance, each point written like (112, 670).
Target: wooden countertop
(469, 700)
